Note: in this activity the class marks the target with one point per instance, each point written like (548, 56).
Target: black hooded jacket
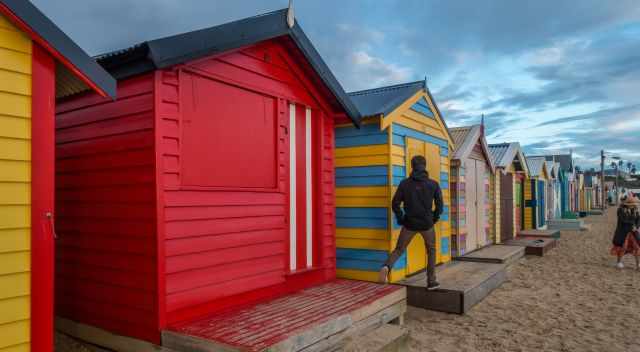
(418, 193)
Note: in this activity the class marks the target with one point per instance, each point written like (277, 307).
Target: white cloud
(369, 71)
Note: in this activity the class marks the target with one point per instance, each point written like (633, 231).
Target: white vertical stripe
(292, 187)
(309, 190)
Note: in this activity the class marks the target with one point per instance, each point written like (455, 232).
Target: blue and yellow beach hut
(401, 121)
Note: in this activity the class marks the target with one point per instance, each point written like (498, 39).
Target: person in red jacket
(417, 194)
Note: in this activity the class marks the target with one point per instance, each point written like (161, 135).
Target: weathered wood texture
(500, 254)
(464, 284)
(313, 319)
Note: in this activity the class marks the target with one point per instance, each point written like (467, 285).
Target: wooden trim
(161, 287)
(42, 199)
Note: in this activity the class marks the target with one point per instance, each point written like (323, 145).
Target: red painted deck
(257, 327)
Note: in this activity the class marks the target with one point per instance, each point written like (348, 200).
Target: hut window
(229, 136)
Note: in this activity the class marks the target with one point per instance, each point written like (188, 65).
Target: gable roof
(565, 161)
(76, 71)
(383, 100)
(169, 51)
(536, 165)
(503, 154)
(465, 138)
(552, 167)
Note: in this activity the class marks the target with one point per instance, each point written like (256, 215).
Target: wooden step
(566, 224)
(498, 254)
(463, 285)
(547, 233)
(534, 245)
(387, 338)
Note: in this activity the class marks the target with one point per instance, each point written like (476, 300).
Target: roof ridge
(385, 88)
(146, 42)
(463, 127)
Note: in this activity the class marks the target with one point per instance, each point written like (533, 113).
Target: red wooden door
(302, 167)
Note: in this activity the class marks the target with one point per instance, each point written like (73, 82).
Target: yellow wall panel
(18, 262)
(362, 161)
(15, 171)
(23, 347)
(357, 233)
(15, 216)
(14, 309)
(14, 240)
(423, 120)
(372, 191)
(14, 333)
(397, 160)
(422, 127)
(15, 127)
(15, 40)
(15, 61)
(371, 202)
(15, 193)
(362, 244)
(381, 149)
(397, 150)
(15, 82)
(15, 149)
(15, 105)
(14, 285)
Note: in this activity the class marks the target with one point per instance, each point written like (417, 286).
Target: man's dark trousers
(405, 238)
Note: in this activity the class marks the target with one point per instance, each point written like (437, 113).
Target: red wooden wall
(105, 206)
(226, 246)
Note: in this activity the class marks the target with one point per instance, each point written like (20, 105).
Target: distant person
(417, 194)
(626, 239)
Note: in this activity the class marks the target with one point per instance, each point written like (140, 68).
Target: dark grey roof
(565, 161)
(169, 51)
(383, 100)
(62, 46)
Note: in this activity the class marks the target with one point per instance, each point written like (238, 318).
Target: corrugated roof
(535, 165)
(497, 152)
(169, 51)
(76, 69)
(383, 100)
(459, 135)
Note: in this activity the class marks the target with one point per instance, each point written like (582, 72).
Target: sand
(573, 299)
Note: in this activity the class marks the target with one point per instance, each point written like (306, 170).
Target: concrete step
(565, 224)
(498, 254)
(387, 338)
(463, 285)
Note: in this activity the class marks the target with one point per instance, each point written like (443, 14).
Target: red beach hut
(208, 184)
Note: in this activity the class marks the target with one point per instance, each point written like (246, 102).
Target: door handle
(49, 216)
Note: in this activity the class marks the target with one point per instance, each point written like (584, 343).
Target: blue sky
(553, 75)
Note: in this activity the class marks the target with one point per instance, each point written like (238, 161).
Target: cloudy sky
(554, 75)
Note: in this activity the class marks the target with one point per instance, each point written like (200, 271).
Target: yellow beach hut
(38, 63)
(534, 193)
(401, 121)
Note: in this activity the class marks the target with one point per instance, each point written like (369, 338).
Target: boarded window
(229, 136)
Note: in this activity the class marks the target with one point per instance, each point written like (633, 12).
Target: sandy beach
(573, 299)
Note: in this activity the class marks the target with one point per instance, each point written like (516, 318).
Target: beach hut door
(416, 255)
(506, 207)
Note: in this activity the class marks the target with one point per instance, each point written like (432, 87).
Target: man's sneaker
(434, 285)
(383, 275)
(620, 265)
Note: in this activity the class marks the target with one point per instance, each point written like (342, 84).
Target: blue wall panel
(405, 131)
(444, 246)
(369, 218)
(365, 259)
(422, 107)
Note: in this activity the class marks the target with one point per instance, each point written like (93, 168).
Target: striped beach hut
(511, 170)
(38, 63)
(401, 121)
(535, 214)
(472, 191)
(566, 177)
(553, 191)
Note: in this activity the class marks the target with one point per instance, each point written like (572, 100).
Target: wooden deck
(314, 319)
(498, 254)
(463, 285)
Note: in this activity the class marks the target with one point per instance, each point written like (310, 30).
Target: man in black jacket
(417, 193)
